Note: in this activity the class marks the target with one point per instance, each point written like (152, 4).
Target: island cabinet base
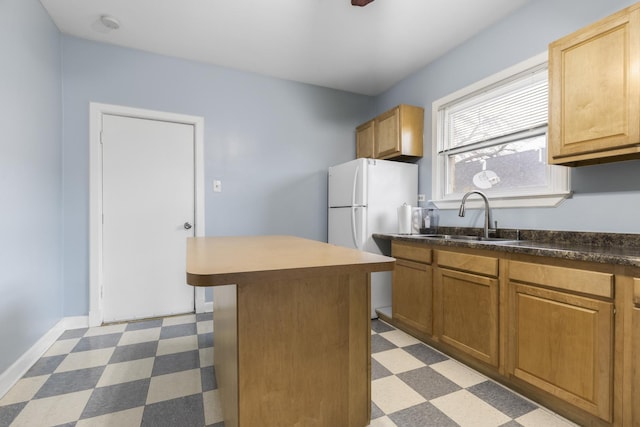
(294, 351)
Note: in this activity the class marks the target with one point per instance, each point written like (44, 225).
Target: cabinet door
(562, 343)
(594, 91)
(635, 367)
(365, 137)
(412, 295)
(468, 313)
(387, 131)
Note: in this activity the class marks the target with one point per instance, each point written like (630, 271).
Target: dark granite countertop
(606, 248)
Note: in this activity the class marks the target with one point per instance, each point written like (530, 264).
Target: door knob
(187, 225)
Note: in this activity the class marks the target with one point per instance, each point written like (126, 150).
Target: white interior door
(148, 196)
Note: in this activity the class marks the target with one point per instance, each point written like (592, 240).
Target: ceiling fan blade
(360, 2)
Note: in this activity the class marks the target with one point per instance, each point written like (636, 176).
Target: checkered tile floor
(160, 373)
(413, 385)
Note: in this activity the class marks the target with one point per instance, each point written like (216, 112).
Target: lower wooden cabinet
(547, 327)
(467, 305)
(412, 295)
(635, 391)
(635, 368)
(560, 342)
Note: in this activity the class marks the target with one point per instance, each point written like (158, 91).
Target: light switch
(217, 186)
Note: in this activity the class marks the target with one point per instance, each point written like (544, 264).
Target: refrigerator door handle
(354, 234)
(355, 186)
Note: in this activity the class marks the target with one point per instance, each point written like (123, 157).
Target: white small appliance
(364, 196)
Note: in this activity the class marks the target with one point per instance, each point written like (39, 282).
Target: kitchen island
(292, 328)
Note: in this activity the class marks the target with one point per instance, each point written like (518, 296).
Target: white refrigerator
(364, 197)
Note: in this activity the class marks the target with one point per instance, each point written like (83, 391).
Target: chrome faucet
(487, 211)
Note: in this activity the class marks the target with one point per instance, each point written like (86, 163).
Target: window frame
(559, 185)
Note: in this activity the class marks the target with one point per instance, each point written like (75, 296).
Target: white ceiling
(328, 43)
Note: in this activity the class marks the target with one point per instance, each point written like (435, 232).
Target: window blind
(504, 109)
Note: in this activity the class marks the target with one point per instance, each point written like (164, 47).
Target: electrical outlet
(421, 198)
(217, 186)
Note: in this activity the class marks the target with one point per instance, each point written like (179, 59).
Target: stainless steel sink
(465, 238)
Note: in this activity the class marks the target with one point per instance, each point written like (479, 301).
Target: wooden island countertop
(292, 328)
(215, 261)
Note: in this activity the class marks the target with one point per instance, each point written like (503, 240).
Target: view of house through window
(493, 137)
(505, 167)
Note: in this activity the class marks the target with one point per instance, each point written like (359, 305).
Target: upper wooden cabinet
(397, 133)
(594, 92)
(364, 140)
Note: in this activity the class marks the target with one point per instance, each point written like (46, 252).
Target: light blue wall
(606, 197)
(269, 141)
(31, 293)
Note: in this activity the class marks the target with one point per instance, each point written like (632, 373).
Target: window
(492, 137)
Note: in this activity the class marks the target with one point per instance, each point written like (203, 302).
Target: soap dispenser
(431, 218)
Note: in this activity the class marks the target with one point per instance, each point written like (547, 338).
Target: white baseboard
(208, 307)
(75, 322)
(95, 318)
(14, 372)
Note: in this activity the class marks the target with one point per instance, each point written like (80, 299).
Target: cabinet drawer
(570, 279)
(484, 265)
(412, 252)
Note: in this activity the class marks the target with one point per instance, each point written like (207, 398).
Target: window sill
(527, 201)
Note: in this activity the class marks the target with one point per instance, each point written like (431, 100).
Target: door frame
(96, 111)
